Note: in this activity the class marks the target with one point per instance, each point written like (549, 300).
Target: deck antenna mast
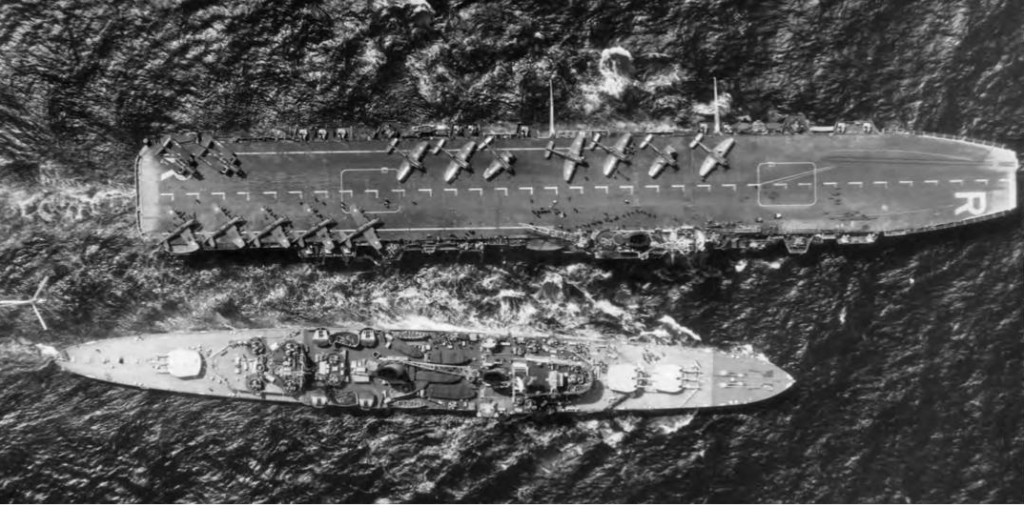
(551, 102)
(718, 122)
(31, 302)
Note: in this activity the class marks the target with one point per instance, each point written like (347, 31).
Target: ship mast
(718, 123)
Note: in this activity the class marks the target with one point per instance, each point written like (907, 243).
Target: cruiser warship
(471, 373)
(358, 192)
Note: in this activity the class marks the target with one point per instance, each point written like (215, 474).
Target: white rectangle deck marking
(957, 181)
(602, 187)
(576, 188)
(857, 183)
(376, 194)
(680, 187)
(221, 194)
(168, 195)
(324, 192)
(656, 188)
(246, 194)
(708, 187)
(166, 174)
(881, 183)
(399, 191)
(452, 190)
(907, 182)
(193, 194)
(271, 193)
(553, 189)
(296, 192)
(627, 187)
(503, 190)
(982, 180)
(477, 190)
(527, 189)
(933, 182)
(729, 185)
(428, 191)
(830, 184)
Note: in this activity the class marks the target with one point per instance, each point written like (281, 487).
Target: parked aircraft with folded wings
(412, 160)
(573, 156)
(460, 159)
(617, 154)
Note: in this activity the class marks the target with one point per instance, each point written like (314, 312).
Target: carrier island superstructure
(352, 192)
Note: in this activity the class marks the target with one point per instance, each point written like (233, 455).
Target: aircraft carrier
(350, 192)
(471, 373)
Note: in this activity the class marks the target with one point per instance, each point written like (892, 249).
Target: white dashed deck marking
(656, 188)
(246, 194)
(324, 192)
(376, 194)
(783, 185)
(399, 191)
(680, 187)
(553, 189)
(830, 184)
(708, 187)
(1004, 180)
(753, 185)
(349, 192)
(858, 183)
(602, 187)
(477, 190)
(168, 195)
(454, 191)
(982, 180)
(729, 185)
(192, 194)
(907, 182)
(576, 188)
(428, 191)
(271, 193)
(299, 193)
(627, 187)
(803, 184)
(502, 189)
(527, 189)
(221, 194)
(933, 182)
(881, 183)
(957, 181)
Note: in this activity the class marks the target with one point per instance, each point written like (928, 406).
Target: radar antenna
(33, 301)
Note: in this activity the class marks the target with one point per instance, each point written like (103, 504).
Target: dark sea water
(907, 355)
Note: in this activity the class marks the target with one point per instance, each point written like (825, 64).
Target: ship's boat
(378, 193)
(483, 374)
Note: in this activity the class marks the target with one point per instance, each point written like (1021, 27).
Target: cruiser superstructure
(472, 373)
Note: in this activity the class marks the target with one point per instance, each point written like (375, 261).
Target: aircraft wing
(623, 143)
(610, 164)
(723, 149)
(371, 237)
(467, 150)
(577, 145)
(235, 237)
(420, 151)
(369, 233)
(568, 170)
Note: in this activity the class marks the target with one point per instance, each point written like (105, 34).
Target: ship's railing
(936, 135)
